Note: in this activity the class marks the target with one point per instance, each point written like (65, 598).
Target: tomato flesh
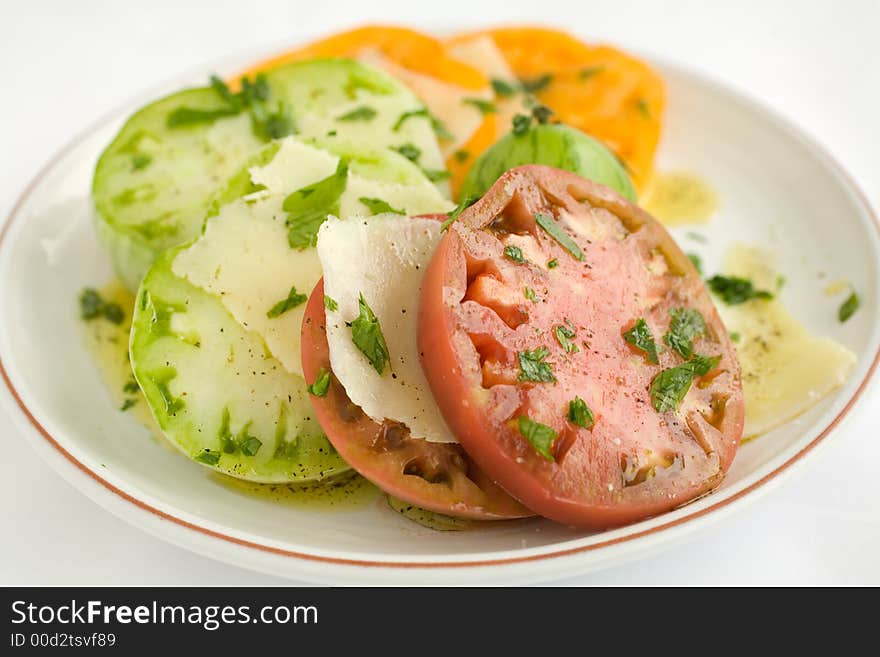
(496, 293)
(435, 476)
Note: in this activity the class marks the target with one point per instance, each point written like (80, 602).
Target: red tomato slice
(435, 476)
(489, 325)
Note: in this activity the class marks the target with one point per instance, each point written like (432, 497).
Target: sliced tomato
(506, 301)
(435, 476)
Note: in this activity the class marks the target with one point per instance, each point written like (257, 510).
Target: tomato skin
(382, 453)
(573, 489)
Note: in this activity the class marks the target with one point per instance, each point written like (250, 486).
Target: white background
(64, 64)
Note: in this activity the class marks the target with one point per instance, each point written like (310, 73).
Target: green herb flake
(532, 366)
(640, 337)
(540, 436)
(513, 252)
(90, 304)
(113, 313)
(362, 113)
(542, 113)
(530, 294)
(502, 88)
(293, 300)
(128, 403)
(308, 207)
(436, 175)
(686, 325)
(410, 151)
(589, 72)
(552, 264)
(208, 457)
(642, 107)
(367, 336)
(555, 231)
(485, 106)
(378, 206)
(669, 388)
(453, 214)
(734, 290)
(521, 124)
(735, 337)
(330, 303)
(848, 307)
(697, 262)
(321, 385)
(184, 117)
(564, 335)
(439, 129)
(536, 84)
(461, 155)
(580, 414)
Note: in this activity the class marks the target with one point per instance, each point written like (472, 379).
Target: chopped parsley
(513, 252)
(640, 337)
(128, 403)
(208, 457)
(555, 231)
(521, 124)
(540, 436)
(669, 388)
(461, 155)
(362, 113)
(440, 130)
(131, 387)
(367, 336)
(530, 294)
(502, 88)
(532, 366)
(253, 97)
(642, 107)
(564, 334)
(735, 337)
(92, 306)
(436, 175)
(686, 325)
(552, 264)
(293, 300)
(410, 151)
(308, 207)
(321, 385)
(378, 206)
(848, 307)
(542, 113)
(697, 262)
(330, 303)
(734, 290)
(485, 106)
(456, 211)
(580, 414)
(536, 84)
(589, 71)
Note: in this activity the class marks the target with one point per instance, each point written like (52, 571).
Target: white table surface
(63, 64)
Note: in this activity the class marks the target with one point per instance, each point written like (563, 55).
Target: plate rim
(734, 501)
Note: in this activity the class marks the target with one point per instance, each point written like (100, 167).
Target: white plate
(777, 188)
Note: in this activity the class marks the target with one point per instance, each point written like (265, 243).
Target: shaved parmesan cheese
(482, 53)
(384, 259)
(243, 256)
(445, 101)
